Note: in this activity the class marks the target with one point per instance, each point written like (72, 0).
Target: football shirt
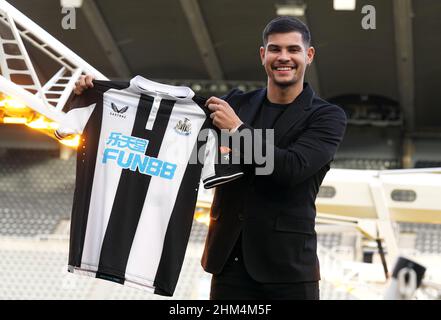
(137, 179)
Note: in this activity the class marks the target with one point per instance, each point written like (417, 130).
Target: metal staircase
(19, 78)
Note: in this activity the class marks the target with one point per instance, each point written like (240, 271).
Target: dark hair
(286, 24)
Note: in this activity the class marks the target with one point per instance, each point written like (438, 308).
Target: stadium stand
(36, 199)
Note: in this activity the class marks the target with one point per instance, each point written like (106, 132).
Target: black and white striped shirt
(136, 189)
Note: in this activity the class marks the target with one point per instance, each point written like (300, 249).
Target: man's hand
(83, 83)
(222, 114)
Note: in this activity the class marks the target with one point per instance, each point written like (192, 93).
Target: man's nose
(283, 56)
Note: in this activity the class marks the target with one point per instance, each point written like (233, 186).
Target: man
(261, 242)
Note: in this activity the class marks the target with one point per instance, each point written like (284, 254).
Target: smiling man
(261, 242)
(285, 57)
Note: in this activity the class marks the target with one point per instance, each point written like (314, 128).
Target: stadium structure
(379, 202)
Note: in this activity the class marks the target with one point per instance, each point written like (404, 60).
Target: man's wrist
(233, 130)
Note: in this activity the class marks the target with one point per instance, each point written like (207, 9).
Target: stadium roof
(219, 40)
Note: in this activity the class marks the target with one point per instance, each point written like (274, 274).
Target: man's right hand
(83, 83)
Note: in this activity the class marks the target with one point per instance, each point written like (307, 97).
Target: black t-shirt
(269, 114)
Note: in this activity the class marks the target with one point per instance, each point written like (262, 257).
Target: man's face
(285, 58)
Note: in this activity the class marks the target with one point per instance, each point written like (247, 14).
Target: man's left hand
(222, 114)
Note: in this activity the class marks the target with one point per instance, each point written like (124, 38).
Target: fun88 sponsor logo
(129, 153)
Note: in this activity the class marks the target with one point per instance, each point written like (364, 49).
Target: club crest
(183, 127)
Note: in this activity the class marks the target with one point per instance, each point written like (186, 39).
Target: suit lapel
(290, 117)
(293, 114)
(248, 113)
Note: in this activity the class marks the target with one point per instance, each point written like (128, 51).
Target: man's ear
(310, 55)
(262, 55)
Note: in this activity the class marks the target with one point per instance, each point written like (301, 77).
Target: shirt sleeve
(77, 110)
(218, 166)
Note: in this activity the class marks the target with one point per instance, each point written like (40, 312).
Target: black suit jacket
(276, 213)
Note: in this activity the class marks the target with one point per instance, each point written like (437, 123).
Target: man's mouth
(284, 68)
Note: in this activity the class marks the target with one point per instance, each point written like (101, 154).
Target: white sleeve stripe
(214, 181)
